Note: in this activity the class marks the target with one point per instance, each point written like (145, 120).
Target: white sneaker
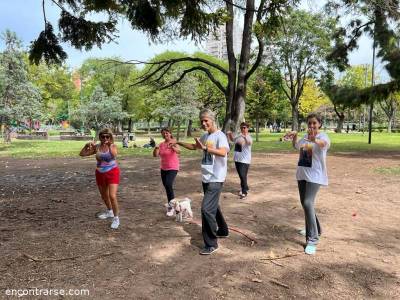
(105, 215)
(115, 223)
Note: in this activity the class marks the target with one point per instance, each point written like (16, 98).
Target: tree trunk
(295, 117)
(169, 123)
(130, 124)
(257, 128)
(189, 128)
(178, 130)
(231, 87)
(390, 122)
(340, 123)
(148, 126)
(7, 134)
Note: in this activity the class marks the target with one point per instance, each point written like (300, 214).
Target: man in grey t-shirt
(215, 147)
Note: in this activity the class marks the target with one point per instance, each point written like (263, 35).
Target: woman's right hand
(290, 136)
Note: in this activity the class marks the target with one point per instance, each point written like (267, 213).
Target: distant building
(216, 42)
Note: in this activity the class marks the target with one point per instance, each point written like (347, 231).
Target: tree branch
(200, 68)
(175, 60)
(260, 44)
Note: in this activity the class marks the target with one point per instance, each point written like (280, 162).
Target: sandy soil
(50, 238)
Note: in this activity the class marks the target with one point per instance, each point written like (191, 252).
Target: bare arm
(156, 151)
(176, 148)
(294, 140)
(88, 149)
(312, 136)
(247, 140)
(113, 150)
(230, 135)
(187, 145)
(217, 151)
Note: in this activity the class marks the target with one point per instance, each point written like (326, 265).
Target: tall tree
(168, 19)
(376, 19)
(113, 77)
(20, 100)
(56, 88)
(312, 98)
(99, 110)
(298, 51)
(265, 97)
(390, 106)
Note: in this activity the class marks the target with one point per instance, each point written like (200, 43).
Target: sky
(25, 18)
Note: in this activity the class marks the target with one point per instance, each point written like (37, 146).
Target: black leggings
(242, 170)
(168, 178)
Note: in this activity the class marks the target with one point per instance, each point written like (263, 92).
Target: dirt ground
(50, 238)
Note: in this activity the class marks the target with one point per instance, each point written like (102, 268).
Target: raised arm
(88, 149)
(187, 145)
(113, 150)
(312, 136)
(229, 134)
(156, 151)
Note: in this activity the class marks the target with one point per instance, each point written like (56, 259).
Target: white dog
(182, 208)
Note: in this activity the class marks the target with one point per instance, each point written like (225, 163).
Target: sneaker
(302, 232)
(170, 211)
(243, 196)
(105, 215)
(115, 223)
(222, 236)
(208, 250)
(310, 249)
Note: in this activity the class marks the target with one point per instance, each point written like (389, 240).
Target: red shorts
(110, 177)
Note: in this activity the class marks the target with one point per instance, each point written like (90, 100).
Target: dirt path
(50, 238)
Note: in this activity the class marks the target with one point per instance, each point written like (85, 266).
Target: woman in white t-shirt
(311, 174)
(242, 156)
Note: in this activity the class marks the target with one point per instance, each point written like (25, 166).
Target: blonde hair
(107, 131)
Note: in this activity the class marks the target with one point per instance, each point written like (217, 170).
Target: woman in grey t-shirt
(311, 174)
(242, 156)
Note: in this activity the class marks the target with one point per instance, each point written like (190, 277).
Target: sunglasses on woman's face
(243, 127)
(105, 136)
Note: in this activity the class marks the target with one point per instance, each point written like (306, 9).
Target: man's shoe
(222, 236)
(208, 250)
(243, 196)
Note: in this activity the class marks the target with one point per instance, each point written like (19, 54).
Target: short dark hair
(167, 129)
(316, 116)
(244, 124)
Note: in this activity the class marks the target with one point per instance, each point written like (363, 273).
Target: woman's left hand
(311, 135)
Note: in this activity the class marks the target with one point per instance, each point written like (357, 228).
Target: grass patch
(268, 142)
(388, 171)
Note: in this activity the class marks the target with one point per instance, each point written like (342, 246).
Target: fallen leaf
(256, 280)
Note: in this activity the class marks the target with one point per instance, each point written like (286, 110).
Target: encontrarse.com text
(46, 292)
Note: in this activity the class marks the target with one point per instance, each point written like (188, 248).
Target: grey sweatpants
(308, 191)
(213, 222)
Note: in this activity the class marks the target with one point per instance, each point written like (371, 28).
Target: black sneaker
(220, 236)
(208, 250)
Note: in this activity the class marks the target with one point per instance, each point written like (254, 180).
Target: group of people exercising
(214, 145)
